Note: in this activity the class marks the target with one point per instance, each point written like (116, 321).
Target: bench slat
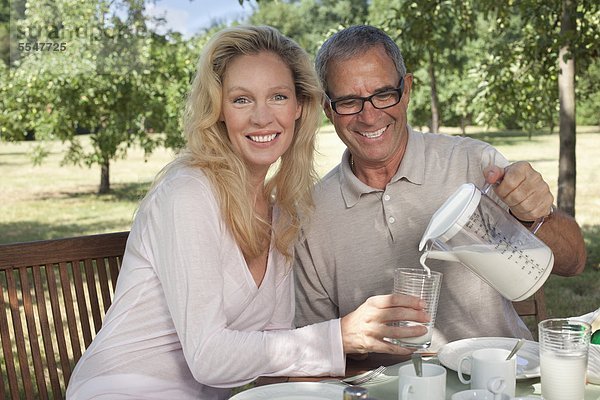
(58, 250)
(69, 309)
(57, 319)
(46, 333)
(19, 338)
(103, 280)
(7, 342)
(82, 305)
(34, 345)
(90, 278)
(114, 265)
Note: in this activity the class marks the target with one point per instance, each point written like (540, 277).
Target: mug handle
(496, 385)
(459, 370)
(405, 391)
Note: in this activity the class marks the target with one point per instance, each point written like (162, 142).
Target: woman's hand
(363, 330)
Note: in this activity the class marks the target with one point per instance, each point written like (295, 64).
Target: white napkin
(593, 318)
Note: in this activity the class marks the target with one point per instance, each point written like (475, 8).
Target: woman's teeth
(373, 135)
(262, 138)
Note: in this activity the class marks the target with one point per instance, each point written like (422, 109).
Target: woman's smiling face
(259, 108)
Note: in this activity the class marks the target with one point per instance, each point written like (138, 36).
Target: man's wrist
(529, 224)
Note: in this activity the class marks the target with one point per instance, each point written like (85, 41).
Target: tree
(113, 78)
(566, 86)
(542, 33)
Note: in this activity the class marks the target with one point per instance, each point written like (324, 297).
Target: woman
(205, 299)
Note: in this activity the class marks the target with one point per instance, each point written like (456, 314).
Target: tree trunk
(566, 94)
(435, 103)
(104, 178)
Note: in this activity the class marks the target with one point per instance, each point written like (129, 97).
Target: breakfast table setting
(383, 384)
(388, 377)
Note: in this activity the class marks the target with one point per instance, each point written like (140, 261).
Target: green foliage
(291, 18)
(433, 36)
(519, 74)
(495, 63)
(115, 79)
(588, 95)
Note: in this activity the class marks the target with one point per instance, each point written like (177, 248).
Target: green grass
(50, 201)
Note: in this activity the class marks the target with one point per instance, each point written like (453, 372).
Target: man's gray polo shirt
(359, 235)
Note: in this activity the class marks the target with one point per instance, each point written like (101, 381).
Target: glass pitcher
(471, 228)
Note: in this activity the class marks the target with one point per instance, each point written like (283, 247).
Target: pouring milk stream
(474, 230)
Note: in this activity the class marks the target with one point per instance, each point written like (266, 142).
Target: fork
(360, 379)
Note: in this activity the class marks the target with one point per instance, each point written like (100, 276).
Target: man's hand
(363, 330)
(528, 196)
(521, 188)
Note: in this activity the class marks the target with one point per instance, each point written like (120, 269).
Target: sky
(190, 17)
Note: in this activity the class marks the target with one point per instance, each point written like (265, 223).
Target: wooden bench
(53, 296)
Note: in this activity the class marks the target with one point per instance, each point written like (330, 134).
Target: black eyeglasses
(380, 100)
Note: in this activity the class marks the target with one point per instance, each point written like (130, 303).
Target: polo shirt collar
(412, 169)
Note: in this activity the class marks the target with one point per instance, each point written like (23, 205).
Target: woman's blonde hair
(208, 145)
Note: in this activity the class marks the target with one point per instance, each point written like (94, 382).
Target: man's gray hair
(353, 41)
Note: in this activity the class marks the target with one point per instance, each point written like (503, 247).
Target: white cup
(430, 386)
(488, 364)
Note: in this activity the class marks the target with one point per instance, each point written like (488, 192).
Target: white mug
(487, 364)
(430, 386)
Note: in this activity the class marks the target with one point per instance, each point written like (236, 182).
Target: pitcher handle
(537, 224)
(486, 188)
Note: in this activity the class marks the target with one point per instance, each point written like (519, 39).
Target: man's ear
(408, 81)
(327, 109)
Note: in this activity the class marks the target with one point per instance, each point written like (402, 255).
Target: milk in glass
(563, 376)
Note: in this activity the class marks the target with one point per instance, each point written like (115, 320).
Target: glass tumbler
(419, 283)
(564, 347)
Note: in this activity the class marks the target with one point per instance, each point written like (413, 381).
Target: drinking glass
(425, 285)
(564, 347)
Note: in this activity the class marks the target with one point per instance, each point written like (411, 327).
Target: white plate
(528, 358)
(293, 391)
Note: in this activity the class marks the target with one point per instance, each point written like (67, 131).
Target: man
(372, 209)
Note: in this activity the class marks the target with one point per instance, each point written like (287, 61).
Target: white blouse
(188, 320)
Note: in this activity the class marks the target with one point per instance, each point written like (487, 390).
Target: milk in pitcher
(492, 262)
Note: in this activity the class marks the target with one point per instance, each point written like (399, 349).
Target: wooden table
(353, 367)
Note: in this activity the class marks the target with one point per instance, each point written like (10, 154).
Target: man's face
(374, 136)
